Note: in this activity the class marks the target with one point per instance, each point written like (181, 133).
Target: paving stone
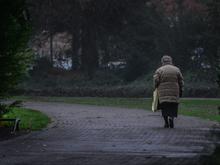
(88, 135)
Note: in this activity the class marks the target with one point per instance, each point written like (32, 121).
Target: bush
(107, 84)
(3, 109)
(136, 67)
(6, 108)
(41, 67)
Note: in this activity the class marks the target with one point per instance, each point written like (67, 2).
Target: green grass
(203, 108)
(30, 119)
(100, 101)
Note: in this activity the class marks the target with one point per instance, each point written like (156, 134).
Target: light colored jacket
(169, 81)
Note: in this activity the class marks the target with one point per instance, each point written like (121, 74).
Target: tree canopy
(148, 28)
(139, 32)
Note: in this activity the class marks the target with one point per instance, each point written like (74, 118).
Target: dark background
(107, 48)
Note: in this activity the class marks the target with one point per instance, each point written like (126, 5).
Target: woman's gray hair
(166, 60)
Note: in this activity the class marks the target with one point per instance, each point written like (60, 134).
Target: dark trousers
(169, 111)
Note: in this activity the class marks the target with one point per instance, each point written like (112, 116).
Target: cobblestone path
(92, 135)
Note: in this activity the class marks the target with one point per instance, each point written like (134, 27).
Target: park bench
(15, 122)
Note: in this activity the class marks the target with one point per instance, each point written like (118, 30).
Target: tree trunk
(89, 58)
(51, 48)
(75, 49)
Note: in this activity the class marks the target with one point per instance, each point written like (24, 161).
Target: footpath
(93, 135)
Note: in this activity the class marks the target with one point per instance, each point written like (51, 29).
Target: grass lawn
(203, 108)
(30, 119)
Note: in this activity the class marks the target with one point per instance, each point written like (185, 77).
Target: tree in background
(213, 35)
(143, 30)
(179, 28)
(14, 35)
(88, 21)
(218, 69)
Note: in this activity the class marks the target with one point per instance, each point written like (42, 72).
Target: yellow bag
(155, 100)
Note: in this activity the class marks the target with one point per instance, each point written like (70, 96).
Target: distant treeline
(139, 32)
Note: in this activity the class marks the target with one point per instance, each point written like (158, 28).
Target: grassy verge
(30, 119)
(203, 108)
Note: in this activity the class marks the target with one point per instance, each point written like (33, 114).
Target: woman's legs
(169, 111)
(166, 122)
(171, 123)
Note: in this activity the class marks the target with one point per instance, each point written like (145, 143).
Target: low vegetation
(30, 119)
(107, 84)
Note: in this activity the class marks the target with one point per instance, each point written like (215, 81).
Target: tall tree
(14, 36)
(213, 35)
(83, 19)
(179, 25)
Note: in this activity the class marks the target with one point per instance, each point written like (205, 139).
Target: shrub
(107, 84)
(6, 108)
(3, 109)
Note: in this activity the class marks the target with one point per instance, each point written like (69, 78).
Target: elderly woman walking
(168, 80)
